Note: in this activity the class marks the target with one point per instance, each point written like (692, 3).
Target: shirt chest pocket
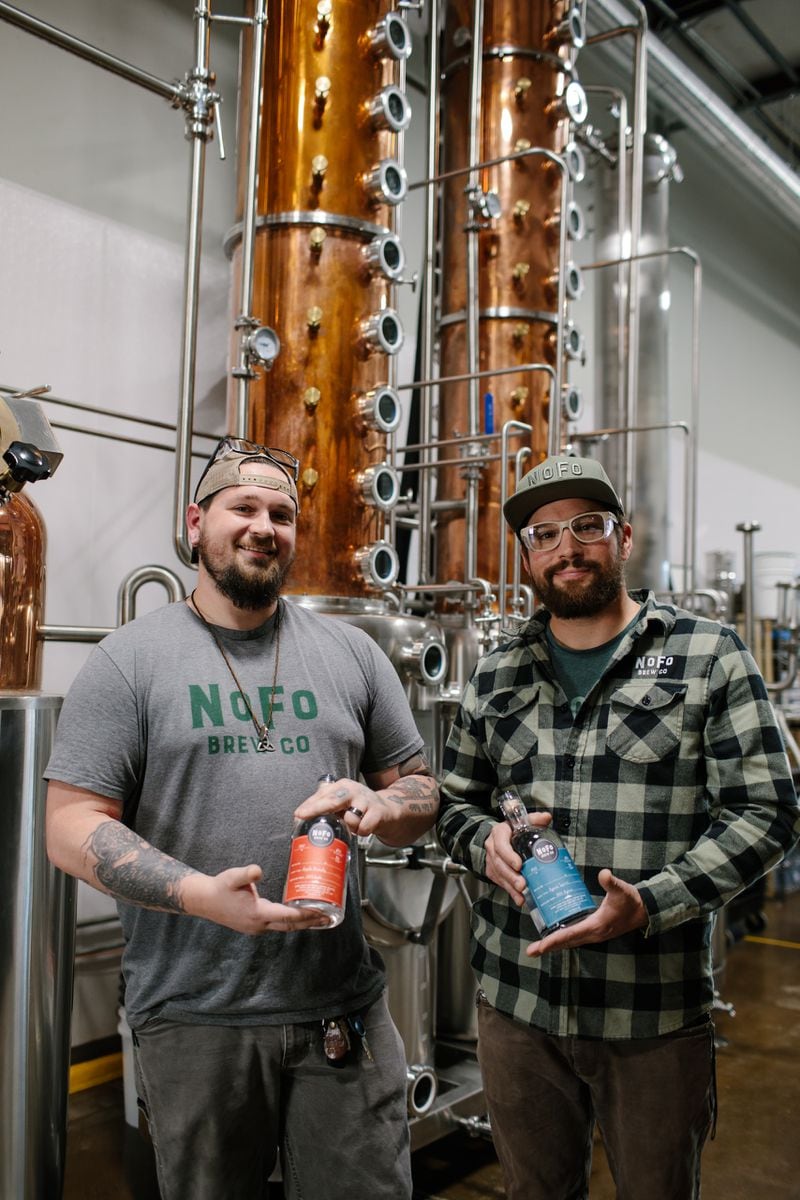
(645, 725)
(510, 726)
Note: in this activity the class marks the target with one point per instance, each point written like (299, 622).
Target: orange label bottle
(318, 863)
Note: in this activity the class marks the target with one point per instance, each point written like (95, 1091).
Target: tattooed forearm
(131, 869)
(411, 800)
(416, 793)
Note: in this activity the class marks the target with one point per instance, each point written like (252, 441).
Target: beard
(582, 599)
(252, 589)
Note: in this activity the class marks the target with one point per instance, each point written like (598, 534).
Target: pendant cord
(262, 731)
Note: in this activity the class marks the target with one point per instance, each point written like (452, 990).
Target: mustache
(576, 560)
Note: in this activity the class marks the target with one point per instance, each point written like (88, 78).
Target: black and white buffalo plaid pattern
(672, 773)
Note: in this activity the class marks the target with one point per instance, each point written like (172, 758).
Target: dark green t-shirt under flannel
(579, 670)
(672, 773)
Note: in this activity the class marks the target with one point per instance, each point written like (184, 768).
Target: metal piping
(518, 427)
(748, 528)
(472, 479)
(713, 121)
(246, 323)
(199, 133)
(390, 525)
(428, 293)
(126, 596)
(105, 412)
(73, 633)
(554, 411)
(640, 35)
(621, 100)
(174, 92)
(122, 438)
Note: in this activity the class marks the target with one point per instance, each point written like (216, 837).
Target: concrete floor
(756, 1154)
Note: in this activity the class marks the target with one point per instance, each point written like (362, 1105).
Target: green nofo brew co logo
(225, 713)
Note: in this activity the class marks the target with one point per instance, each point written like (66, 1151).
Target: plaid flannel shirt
(673, 774)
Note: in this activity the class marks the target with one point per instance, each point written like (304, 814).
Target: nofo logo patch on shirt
(652, 665)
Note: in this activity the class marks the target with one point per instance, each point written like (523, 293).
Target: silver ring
(356, 812)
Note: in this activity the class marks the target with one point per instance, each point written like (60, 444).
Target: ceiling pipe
(705, 114)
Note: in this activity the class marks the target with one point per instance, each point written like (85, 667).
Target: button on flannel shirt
(672, 773)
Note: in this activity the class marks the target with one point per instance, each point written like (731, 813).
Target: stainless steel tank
(37, 944)
(650, 507)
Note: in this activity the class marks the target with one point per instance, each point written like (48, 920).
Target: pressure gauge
(263, 345)
(488, 205)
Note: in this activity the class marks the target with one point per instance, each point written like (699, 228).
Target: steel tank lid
(30, 700)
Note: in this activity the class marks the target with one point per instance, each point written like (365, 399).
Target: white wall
(93, 197)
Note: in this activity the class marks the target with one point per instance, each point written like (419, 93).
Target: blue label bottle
(554, 882)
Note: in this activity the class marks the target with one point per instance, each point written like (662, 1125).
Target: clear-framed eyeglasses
(586, 528)
(231, 445)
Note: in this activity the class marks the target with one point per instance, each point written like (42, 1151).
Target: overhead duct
(713, 121)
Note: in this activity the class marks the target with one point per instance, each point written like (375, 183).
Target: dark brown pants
(653, 1099)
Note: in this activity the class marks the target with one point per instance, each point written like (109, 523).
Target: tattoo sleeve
(133, 870)
(416, 789)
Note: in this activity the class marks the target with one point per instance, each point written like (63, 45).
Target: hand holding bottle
(318, 862)
(503, 864)
(621, 911)
(557, 891)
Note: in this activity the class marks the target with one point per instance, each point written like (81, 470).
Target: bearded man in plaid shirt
(644, 734)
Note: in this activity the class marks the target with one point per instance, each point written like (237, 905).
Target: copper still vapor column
(528, 97)
(325, 261)
(28, 453)
(22, 554)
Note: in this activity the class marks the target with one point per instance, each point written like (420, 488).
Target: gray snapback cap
(559, 478)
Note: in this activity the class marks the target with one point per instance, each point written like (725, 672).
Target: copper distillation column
(28, 453)
(325, 259)
(511, 222)
(22, 554)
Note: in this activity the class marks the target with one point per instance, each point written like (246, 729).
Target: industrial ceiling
(748, 53)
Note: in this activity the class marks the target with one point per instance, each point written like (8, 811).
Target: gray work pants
(223, 1102)
(654, 1100)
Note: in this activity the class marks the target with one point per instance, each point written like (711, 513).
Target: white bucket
(771, 567)
(128, 1073)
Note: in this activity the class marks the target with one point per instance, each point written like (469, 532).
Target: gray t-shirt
(155, 720)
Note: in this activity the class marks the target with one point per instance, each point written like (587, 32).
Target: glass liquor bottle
(554, 882)
(318, 862)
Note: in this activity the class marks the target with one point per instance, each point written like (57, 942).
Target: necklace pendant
(264, 745)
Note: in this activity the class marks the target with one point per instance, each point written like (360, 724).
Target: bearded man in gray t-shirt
(188, 745)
